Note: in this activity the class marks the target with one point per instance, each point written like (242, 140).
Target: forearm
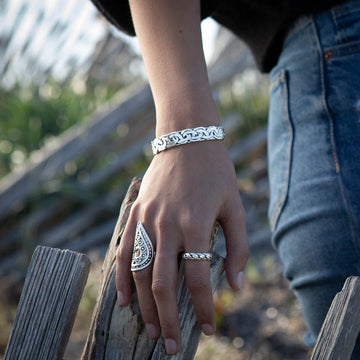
(170, 40)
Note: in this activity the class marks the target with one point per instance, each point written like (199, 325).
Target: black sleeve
(118, 12)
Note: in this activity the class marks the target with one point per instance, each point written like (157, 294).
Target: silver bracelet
(186, 136)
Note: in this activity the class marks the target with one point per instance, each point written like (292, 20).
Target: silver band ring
(143, 252)
(196, 256)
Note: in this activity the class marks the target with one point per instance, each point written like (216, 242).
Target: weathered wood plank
(342, 324)
(48, 304)
(97, 337)
(118, 332)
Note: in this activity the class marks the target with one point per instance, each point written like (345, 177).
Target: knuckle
(148, 212)
(240, 255)
(164, 222)
(141, 277)
(245, 254)
(197, 284)
(239, 210)
(192, 227)
(242, 211)
(135, 208)
(161, 288)
(167, 326)
(121, 254)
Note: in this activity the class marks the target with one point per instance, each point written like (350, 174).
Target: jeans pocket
(280, 140)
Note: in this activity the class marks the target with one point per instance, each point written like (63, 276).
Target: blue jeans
(314, 158)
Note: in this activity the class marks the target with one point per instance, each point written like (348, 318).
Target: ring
(143, 252)
(196, 256)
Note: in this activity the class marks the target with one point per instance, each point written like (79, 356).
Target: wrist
(185, 112)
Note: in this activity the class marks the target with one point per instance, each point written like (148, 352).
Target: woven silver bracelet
(186, 136)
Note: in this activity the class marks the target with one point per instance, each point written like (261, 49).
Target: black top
(260, 23)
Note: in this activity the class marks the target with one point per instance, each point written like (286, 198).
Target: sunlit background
(63, 40)
(76, 119)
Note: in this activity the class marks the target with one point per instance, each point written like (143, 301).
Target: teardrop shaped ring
(143, 252)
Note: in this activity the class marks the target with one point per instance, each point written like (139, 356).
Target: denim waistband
(335, 26)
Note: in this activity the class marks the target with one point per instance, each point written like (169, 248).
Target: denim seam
(323, 97)
(279, 79)
(336, 26)
(280, 203)
(343, 9)
(344, 195)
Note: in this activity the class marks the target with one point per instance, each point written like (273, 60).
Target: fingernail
(151, 331)
(207, 329)
(121, 298)
(240, 279)
(170, 346)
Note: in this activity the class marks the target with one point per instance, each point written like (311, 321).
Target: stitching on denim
(340, 51)
(323, 98)
(354, 44)
(281, 200)
(338, 14)
(278, 79)
(344, 195)
(345, 8)
(335, 23)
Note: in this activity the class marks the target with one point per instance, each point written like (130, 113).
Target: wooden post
(52, 291)
(118, 332)
(342, 324)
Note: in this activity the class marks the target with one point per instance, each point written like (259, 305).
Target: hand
(184, 191)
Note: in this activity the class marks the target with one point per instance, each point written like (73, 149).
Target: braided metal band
(197, 256)
(186, 136)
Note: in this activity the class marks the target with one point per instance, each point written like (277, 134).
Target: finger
(164, 292)
(143, 280)
(197, 274)
(123, 260)
(237, 247)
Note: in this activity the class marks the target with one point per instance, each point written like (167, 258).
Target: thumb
(237, 247)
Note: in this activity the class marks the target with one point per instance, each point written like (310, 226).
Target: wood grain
(48, 304)
(342, 324)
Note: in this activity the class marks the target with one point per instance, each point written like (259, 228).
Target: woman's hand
(185, 188)
(184, 191)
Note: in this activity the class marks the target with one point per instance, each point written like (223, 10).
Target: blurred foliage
(247, 96)
(31, 116)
